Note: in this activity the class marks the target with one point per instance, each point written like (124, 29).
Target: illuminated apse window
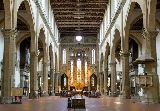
(78, 38)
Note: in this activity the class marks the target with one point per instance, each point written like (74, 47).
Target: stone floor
(105, 103)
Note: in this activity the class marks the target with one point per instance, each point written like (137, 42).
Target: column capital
(106, 69)
(101, 72)
(112, 63)
(149, 34)
(33, 54)
(8, 32)
(45, 63)
(51, 69)
(124, 54)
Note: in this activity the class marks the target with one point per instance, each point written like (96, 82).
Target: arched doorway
(64, 82)
(93, 80)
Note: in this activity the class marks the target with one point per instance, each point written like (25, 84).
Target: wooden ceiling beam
(82, 32)
(74, 20)
(84, 8)
(85, 35)
(81, 3)
(80, 16)
(76, 26)
(70, 23)
(84, 29)
(80, 10)
(76, 32)
(77, 12)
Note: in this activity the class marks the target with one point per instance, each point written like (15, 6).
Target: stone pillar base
(52, 94)
(45, 95)
(6, 100)
(56, 89)
(33, 96)
(113, 94)
(150, 100)
(126, 97)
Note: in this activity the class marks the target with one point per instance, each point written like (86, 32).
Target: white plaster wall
(40, 65)
(1, 50)
(17, 78)
(118, 21)
(112, 7)
(118, 66)
(158, 54)
(17, 70)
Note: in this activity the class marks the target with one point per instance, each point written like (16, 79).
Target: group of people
(18, 98)
(92, 93)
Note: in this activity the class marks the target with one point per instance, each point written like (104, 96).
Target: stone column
(106, 80)
(83, 73)
(98, 83)
(151, 93)
(125, 75)
(75, 72)
(136, 85)
(106, 77)
(21, 78)
(33, 75)
(8, 65)
(113, 79)
(101, 82)
(52, 73)
(45, 78)
(56, 82)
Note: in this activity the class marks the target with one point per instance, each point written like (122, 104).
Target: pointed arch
(22, 38)
(128, 18)
(22, 19)
(158, 24)
(136, 19)
(136, 40)
(115, 41)
(51, 56)
(42, 41)
(107, 52)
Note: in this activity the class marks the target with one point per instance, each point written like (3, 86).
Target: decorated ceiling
(79, 17)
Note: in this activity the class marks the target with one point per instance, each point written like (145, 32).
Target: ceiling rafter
(79, 16)
(70, 23)
(80, 3)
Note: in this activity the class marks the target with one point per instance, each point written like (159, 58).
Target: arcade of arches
(107, 45)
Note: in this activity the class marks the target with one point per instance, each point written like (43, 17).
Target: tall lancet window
(64, 56)
(71, 72)
(65, 81)
(92, 81)
(79, 70)
(86, 74)
(93, 56)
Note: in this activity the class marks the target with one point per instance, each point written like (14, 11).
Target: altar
(78, 102)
